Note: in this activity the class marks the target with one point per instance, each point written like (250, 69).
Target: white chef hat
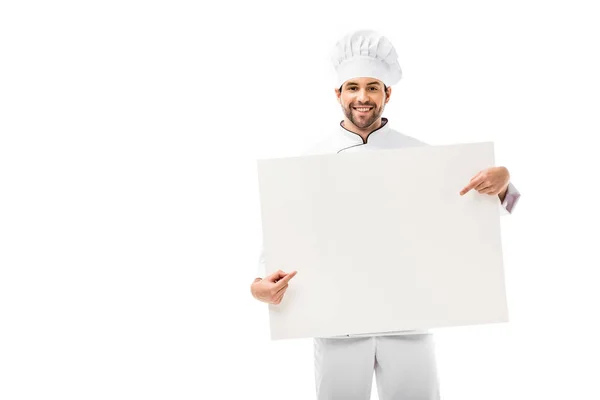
(366, 53)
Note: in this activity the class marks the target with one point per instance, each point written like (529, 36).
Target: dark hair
(384, 88)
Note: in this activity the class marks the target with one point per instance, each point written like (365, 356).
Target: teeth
(362, 109)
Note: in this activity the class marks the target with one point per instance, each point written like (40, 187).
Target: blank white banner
(382, 241)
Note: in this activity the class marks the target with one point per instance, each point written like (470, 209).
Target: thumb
(257, 280)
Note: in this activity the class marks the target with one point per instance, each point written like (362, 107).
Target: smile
(363, 109)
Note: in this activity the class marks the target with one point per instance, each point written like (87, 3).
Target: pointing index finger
(476, 180)
(283, 281)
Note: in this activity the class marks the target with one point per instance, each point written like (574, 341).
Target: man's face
(363, 100)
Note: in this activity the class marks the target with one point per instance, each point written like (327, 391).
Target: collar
(356, 137)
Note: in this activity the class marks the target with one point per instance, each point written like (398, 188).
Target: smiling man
(365, 113)
(367, 66)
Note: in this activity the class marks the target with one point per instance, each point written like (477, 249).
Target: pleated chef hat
(366, 53)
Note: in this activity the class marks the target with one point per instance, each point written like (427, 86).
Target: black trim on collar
(384, 122)
(360, 144)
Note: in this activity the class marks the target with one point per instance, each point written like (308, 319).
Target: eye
(373, 88)
(352, 88)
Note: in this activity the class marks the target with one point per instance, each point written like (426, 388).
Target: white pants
(404, 365)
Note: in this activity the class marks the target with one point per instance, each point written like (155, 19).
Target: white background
(129, 209)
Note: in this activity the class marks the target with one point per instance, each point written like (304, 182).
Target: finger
(276, 276)
(280, 291)
(257, 280)
(286, 279)
(278, 298)
(474, 183)
(491, 191)
(484, 184)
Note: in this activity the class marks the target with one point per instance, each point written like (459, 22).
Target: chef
(366, 65)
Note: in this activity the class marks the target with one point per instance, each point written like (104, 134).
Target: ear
(388, 93)
(338, 94)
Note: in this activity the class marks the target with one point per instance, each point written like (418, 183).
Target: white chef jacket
(343, 140)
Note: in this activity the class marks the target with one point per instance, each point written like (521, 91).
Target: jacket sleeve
(510, 200)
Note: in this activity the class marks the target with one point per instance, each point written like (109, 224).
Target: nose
(362, 96)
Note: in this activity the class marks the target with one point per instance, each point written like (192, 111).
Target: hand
(272, 288)
(492, 181)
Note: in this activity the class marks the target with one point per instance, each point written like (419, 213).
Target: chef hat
(365, 53)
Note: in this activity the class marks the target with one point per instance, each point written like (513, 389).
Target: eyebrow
(356, 84)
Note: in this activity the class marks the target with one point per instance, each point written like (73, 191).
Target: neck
(362, 132)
